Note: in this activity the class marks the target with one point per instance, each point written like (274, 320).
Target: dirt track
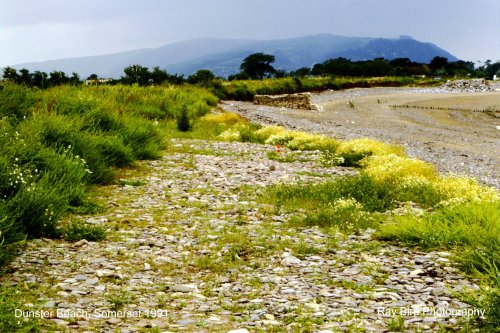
(449, 130)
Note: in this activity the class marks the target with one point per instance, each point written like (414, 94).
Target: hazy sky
(35, 30)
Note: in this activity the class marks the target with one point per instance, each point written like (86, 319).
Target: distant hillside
(224, 56)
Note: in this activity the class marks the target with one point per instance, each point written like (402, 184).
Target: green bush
(16, 102)
(143, 137)
(183, 122)
(373, 196)
(10, 300)
(55, 142)
(77, 230)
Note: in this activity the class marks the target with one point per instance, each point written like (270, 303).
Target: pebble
(291, 260)
(183, 288)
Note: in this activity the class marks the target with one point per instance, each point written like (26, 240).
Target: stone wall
(475, 85)
(293, 101)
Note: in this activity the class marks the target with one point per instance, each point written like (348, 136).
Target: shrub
(369, 147)
(462, 224)
(143, 137)
(102, 120)
(346, 214)
(396, 168)
(227, 118)
(77, 230)
(16, 102)
(183, 122)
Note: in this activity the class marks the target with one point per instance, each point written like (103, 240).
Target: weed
(131, 182)
(118, 299)
(77, 230)
(183, 122)
(10, 301)
(396, 324)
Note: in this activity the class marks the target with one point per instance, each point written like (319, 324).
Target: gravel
(458, 142)
(220, 261)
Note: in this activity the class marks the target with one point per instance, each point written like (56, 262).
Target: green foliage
(9, 302)
(16, 102)
(131, 182)
(56, 142)
(257, 65)
(183, 122)
(77, 230)
(245, 90)
(472, 229)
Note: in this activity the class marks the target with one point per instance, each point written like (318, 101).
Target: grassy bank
(245, 90)
(56, 142)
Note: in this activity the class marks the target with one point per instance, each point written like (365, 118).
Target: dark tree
(25, 77)
(301, 72)
(93, 77)
(40, 79)
(438, 63)
(175, 79)
(238, 76)
(57, 78)
(136, 74)
(75, 79)
(158, 75)
(203, 77)
(258, 65)
(10, 74)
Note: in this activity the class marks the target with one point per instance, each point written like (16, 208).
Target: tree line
(259, 65)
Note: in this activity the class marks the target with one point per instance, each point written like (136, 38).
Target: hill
(223, 56)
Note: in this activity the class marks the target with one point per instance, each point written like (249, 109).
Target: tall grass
(55, 142)
(245, 90)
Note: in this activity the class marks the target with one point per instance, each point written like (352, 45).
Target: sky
(34, 30)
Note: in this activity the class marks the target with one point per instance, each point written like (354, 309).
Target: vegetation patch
(54, 143)
(456, 213)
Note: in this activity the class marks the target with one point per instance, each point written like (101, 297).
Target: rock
(417, 272)
(92, 281)
(186, 322)
(183, 288)
(100, 288)
(290, 260)
(80, 278)
(113, 321)
(49, 304)
(239, 330)
(81, 243)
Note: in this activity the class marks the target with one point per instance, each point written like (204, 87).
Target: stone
(81, 243)
(239, 330)
(100, 288)
(113, 321)
(183, 288)
(92, 281)
(291, 260)
(49, 304)
(186, 322)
